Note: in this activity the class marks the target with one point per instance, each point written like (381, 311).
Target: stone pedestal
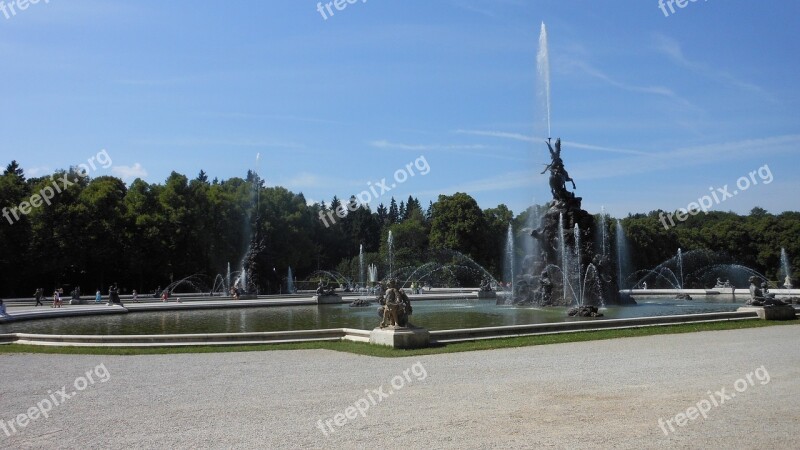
(404, 338)
(772, 312)
(487, 294)
(327, 299)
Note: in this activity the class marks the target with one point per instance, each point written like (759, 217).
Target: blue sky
(654, 111)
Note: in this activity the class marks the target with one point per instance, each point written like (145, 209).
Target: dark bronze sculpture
(758, 296)
(324, 290)
(540, 279)
(558, 174)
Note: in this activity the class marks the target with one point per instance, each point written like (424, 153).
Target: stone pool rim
(356, 335)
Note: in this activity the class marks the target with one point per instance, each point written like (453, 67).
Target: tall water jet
(786, 269)
(361, 265)
(562, 249)
(623, 256)
(248, 278)
(290, 281)
(530, 247)
(603, 232)
(680, 268)
(390, 243)
(228, 280)
(543, 66)
(509, 272)
(578, 294)
(258, 184)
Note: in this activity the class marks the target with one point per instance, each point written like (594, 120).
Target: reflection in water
(434, 315)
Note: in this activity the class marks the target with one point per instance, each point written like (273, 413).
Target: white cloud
(423, 147)
(572, 65)
(129, 172)
(694, 156)
(464, 149)
(566, 144)
(672, 49)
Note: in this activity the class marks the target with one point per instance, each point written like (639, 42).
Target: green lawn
(379, 351)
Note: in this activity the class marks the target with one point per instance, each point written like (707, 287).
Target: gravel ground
(603, 394)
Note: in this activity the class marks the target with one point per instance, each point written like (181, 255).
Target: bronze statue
(396, 307)
(759, 297)
(558, 174)
(323, 290)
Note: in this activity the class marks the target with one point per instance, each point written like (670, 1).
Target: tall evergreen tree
(394, 212)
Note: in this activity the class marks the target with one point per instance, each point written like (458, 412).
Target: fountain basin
(273, 315)
(358, 335)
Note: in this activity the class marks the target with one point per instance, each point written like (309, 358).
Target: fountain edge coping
(356, 335)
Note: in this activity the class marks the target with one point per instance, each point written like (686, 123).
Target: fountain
(228, 280)
(565, 236)
(786, 270)
(247, 286)
(530, 247)
(290, 289)
(565, 233)
(543, 65)
(623, 255)
(361, 267)
(372, 270)
(390, 242)
(508, 270)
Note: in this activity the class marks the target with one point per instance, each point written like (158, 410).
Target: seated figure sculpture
(486, 285)
(396, 307)
(760, 298)
(322, 290)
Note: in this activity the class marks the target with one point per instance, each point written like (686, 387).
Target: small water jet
(508, 271)
(290, 282)
(361, 266)
(623, 255)
(390, 242)
(786, 270)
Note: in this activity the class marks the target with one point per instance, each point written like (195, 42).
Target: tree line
(99, 231)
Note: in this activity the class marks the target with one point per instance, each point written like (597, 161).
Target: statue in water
(760, 297)
(396, 307)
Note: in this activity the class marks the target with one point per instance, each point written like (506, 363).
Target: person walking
(38, 295)
(3, 312)
(113, 295)
(135, 296)
(56, 299)
(98, 296)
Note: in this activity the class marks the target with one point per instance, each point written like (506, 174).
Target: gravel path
(604, 394)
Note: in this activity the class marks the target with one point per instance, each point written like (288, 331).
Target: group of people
(113, 296)
(57, 301)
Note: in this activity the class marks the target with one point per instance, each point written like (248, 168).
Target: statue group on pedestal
(395, 307)
(323, 290)
(760, 296)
